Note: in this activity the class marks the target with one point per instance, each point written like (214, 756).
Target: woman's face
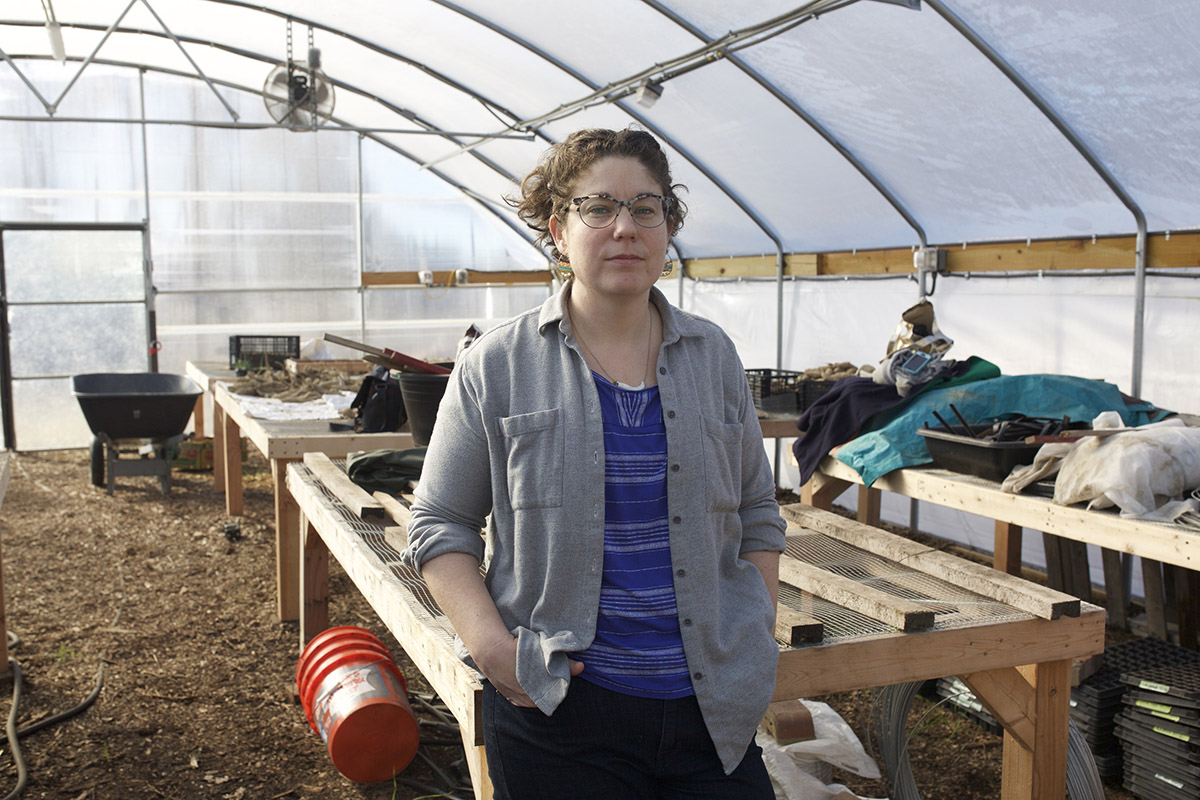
(623, 259)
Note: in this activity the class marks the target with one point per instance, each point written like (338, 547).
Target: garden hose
(13, 736)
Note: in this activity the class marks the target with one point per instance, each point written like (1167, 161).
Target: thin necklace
(603, 371)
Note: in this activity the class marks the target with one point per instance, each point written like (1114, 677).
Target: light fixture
(54, 31)
(647, 93)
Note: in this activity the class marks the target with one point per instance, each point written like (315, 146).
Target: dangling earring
(668, 268)
(564, 267)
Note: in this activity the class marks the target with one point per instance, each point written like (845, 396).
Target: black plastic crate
(812, 390)
(775, 391)
(262, 352)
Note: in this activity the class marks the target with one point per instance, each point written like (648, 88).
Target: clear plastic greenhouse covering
(822, 127)
(796, 127)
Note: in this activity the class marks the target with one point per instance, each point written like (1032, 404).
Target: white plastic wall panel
(951, 137)
(1123, 76)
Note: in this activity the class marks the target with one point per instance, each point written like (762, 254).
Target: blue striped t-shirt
(638, 649)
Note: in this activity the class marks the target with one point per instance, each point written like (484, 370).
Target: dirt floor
(175, 615)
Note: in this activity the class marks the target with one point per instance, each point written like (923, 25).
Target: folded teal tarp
(897, 444)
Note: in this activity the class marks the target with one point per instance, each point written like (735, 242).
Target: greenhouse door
(74, 300)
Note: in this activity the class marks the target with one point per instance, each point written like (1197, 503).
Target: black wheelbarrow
(138, 412)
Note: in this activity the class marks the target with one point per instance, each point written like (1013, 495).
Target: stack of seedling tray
(1159, 730)
(1097, 700)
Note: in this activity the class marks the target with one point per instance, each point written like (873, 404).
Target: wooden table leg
(198, 417)
(481, 782)
(289, 529)
(1152, 588)
(1033, 704)
(820, 491)
(869, 502)
(1116, 595)
(218, 448)
(313, 577)
(1006, 549)
(1187, 593)
(232, 455)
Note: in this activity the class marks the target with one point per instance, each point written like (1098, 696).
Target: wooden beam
(1174, 251)
(313, 577)
(866, 600)
(446, 277)
(837, 665)
(754, 266)
(288, 534)
(394, 508)
(347, 491)
(1009, 697)
(796, 628)
(1002, 587)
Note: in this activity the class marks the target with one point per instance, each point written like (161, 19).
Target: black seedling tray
(991, 461)
(1148, 774)
(1174, 705)
(1159, 710)
(1181, 680)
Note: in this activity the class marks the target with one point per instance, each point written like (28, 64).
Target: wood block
(866, 600)
(796, 628)
(354, 496)
(789, 721)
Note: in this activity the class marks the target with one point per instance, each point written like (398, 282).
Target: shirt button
(697, 676)
(662, 370)
(674, 468)
(677, 520)
(681, 572)
(687, 623)
(670, 415)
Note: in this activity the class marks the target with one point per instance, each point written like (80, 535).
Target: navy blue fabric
(603, 745)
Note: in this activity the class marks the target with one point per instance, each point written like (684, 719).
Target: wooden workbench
(1154, 542)
(1011, 641)
(281, 442)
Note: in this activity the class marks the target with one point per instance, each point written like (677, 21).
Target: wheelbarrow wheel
(97, 461)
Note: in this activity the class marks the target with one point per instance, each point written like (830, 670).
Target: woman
(625, 622)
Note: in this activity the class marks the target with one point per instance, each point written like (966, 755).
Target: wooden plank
(795, 628)
(350, 493)
(821, 490)
(866, 600)
(395, 509)
(287, 545)
(1116, 597)
(1158, 541)
(232, 458)
(314, 583)
(1008, 696)
(839, 665)
(756, 266)
(1040, 770)
(1079, 575)
(1187, 607)
(445, 277)
(1006, 548)
(869, 505)
(1008, 589)
(1152, 585)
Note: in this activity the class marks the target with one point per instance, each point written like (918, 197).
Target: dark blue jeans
(610, 746)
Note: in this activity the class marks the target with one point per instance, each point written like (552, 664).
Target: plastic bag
(1139, 471)
(803, 770)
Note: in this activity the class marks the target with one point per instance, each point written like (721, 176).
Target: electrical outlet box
(930, 259)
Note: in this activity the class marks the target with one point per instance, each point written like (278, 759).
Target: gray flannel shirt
(519, 437)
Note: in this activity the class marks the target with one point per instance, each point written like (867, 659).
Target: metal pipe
(1081, 147)
(528, 137)
(51, 108)
(147, 253)
(190, 60)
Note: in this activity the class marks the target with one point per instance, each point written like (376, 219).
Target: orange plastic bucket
(356, 698)
(341, 633)
(322, 660)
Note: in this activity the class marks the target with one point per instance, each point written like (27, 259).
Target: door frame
(6, 377)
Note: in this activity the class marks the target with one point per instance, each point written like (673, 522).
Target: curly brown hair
(546, 191)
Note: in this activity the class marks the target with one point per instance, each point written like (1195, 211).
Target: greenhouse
(186, 181)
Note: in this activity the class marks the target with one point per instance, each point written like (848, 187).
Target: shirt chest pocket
(535, 451)
(722, 464)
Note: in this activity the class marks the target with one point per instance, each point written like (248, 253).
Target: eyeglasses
(600, 210)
